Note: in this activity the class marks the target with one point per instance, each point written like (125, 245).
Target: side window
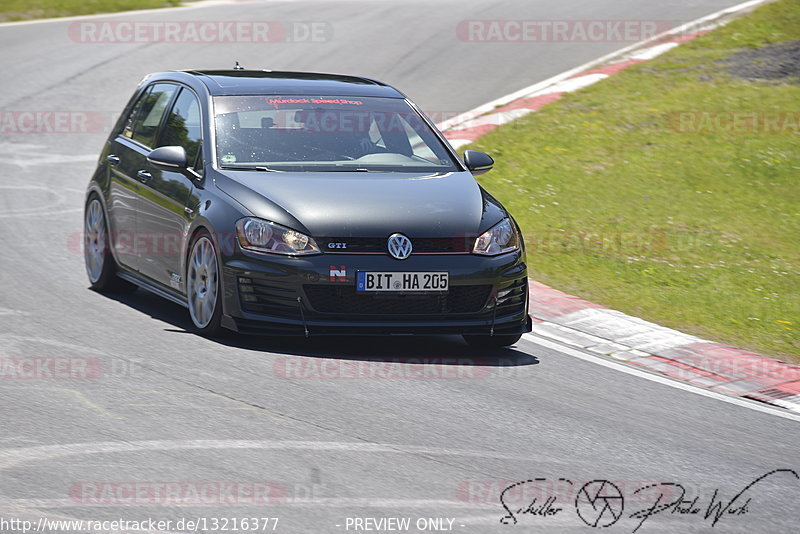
(183, 126)
(127, 131)
(147, 113)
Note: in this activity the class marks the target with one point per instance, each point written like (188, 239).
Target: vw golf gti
(289, 203)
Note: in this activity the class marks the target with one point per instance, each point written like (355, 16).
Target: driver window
(147, 113)
(183, 126)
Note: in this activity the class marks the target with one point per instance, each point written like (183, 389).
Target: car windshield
(325, 134)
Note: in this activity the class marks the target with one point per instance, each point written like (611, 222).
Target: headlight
(264, 236)
(499, 239)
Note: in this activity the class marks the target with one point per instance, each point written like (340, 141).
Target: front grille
(339, 299)
(429, 245)
(258, 296)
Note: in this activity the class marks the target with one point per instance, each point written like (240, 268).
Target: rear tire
(492, 342)
(204, 286)
(101, 268)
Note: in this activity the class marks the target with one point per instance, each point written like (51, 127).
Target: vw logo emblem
(399, 246)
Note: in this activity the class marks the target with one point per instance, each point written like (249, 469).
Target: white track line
(315, 502)
(752, 405)
(516, 95)
(17, 456)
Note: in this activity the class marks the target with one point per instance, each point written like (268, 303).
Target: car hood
(363, 204)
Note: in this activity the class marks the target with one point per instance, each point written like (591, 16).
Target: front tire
(492, 342)
(203, 286)
(100, 265)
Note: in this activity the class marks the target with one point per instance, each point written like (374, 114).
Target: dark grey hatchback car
(288, 203)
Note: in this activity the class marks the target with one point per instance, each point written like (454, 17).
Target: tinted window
(183, 126)
(147, 113)
(127, 131)
(319, 133)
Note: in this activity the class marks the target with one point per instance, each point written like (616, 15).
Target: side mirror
(169, 158)
(478, 162)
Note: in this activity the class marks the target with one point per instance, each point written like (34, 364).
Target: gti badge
(337, 245)
(399, 246)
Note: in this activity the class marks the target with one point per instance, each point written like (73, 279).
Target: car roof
(260, 82)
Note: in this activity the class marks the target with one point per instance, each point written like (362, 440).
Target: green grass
(695, 231)
(37, 9)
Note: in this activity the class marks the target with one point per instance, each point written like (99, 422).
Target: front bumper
(316, 295)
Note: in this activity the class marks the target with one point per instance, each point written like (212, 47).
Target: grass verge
(669, 191)
(11, 10)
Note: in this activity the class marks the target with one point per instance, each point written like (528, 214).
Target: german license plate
(402, 281)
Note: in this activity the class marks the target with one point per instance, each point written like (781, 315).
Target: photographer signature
(600, 503)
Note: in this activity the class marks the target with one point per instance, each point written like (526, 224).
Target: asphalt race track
(284, 418)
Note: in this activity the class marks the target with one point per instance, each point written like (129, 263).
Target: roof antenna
(238, 67)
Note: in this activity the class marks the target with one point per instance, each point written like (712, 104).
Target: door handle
(113, 159)
(144, 176)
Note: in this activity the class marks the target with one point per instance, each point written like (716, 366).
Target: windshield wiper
(357, 169)
(261, 168)
(266, 169)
